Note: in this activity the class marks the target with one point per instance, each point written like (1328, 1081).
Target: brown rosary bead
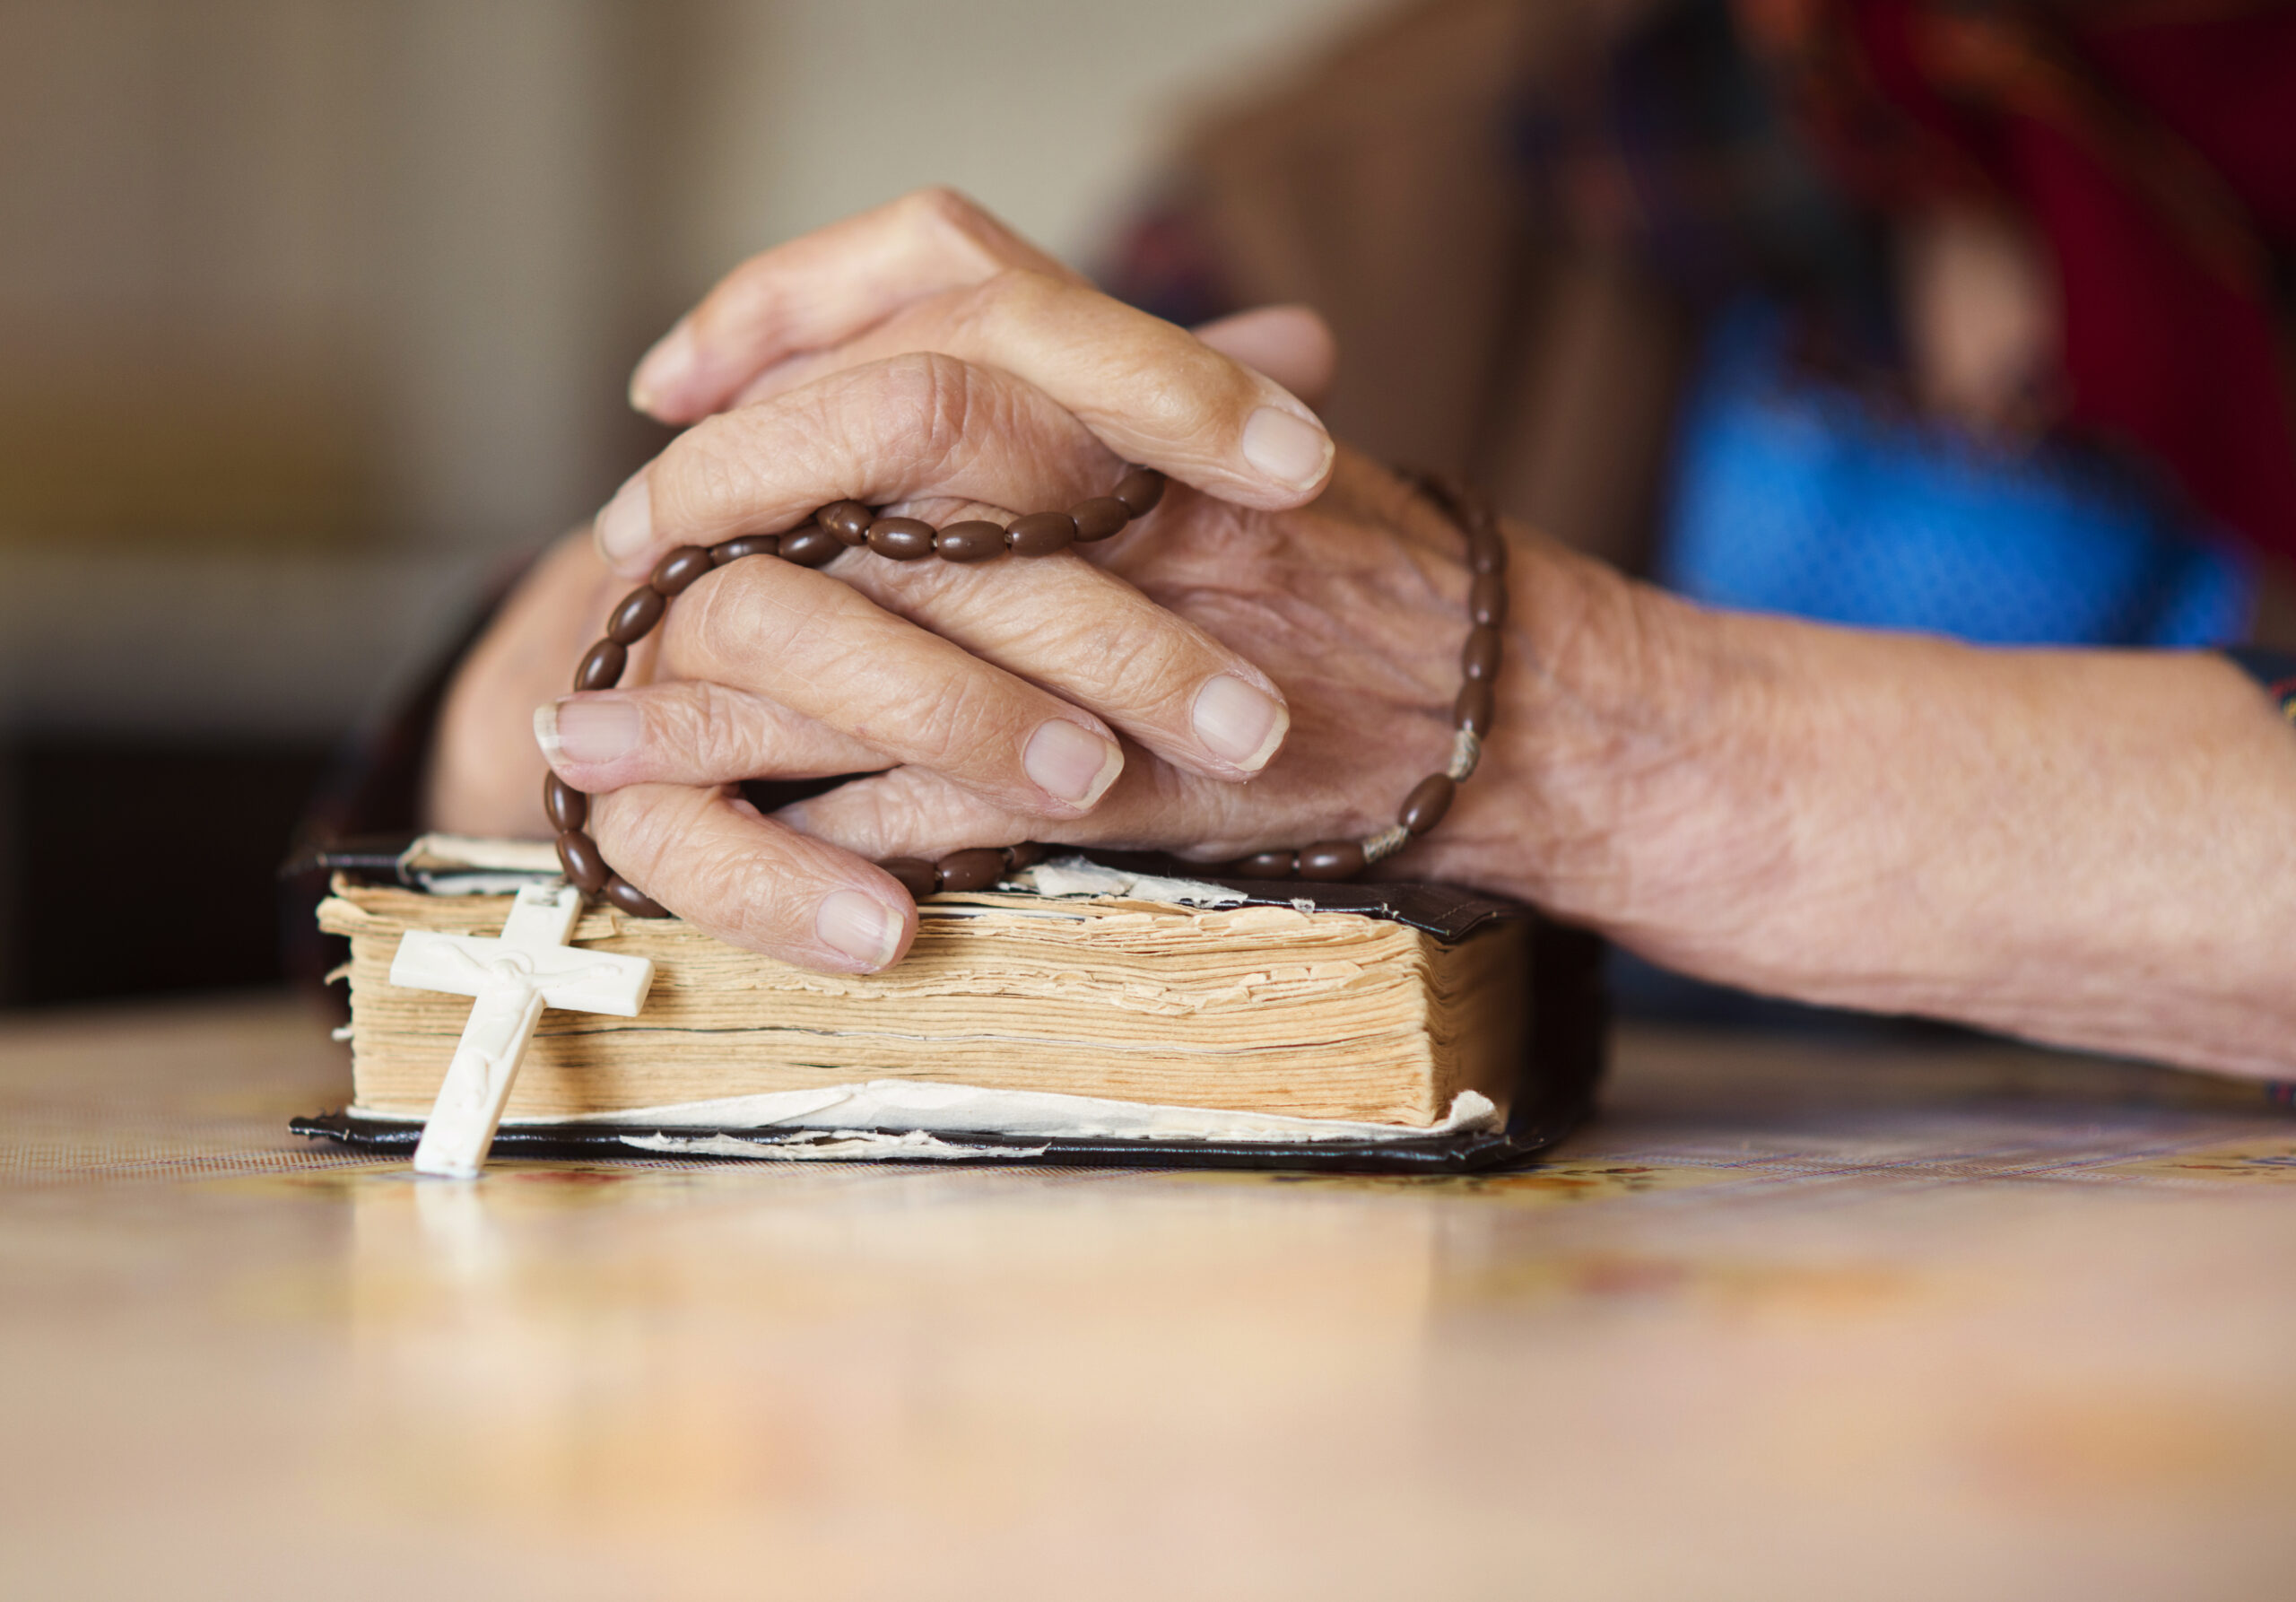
(1428, 800)
(846, 524)
(586, 870)
(679, 568)
(1473, 710)
(901, 539)
(744, 544)
(566, 807)
(976, 870)
(850, 521)
(1099, 518)
(639, 611)
(919, 877)
(974, 541)
(810, 546)
(632, 899)
(1142, 488)
(1487, 601)
(1332, 860)
(1041, 534)
(602, 666)
(1479, 657)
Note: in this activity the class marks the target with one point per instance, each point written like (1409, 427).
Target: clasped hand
(1267, 659)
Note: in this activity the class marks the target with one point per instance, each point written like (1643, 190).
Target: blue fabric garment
(1792, 496)
(1795, 497)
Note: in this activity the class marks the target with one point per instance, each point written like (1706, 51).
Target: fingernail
(1071, 761)
(1239, 722)
(859, 925)
(626, 526)
(1286, 447)
(666, 367)
(586, 731)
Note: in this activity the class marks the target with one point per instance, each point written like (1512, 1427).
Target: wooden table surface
(1791, 1319)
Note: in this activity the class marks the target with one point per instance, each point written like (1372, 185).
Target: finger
(820, 290)
(710, 858)
(690, 734)
(880, 433)
(910, 812)
(927, 426)
(827, 652)
(1213, 713)
(1095, 640)
(1291, 344)
(1148, 389)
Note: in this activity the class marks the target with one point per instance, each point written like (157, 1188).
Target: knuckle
(962, 725)
(922, 405)
(1143, 668)
(940, 205)
(1143, 663)
(742, 303)
(636, 829)
(721, 624)
(725, 735)
(695, 732)
(938, 818)
(873, 818)
(954, 218)
(701, 479)
(767, 891)
(1011, 294)
(1170, 394)
(909, 812)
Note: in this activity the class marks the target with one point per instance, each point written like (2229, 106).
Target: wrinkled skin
(2087, 848)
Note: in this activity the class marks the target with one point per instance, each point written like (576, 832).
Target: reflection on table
(1790, 1319)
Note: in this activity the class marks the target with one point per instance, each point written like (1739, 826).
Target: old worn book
(1079, 1009)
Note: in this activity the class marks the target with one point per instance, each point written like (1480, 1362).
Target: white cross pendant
(514, 978)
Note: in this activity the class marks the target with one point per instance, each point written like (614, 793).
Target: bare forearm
(2096, 849)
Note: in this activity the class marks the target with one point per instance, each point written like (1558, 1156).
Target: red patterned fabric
(2154, 145)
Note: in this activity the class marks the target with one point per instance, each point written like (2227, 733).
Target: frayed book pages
(1074, 1005)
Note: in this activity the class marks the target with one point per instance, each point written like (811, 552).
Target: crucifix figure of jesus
(514, 976)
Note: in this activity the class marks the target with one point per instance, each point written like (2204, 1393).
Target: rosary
(849, 525)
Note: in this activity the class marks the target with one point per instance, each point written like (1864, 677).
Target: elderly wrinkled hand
(1117, 694)
(934, 271)
(2085, 847)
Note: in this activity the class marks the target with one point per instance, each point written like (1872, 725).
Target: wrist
(1598, 794)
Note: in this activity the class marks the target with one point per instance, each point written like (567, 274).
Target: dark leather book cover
(1568, 1044)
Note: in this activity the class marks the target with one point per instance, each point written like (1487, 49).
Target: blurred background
(316, 317)
(313, 312)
